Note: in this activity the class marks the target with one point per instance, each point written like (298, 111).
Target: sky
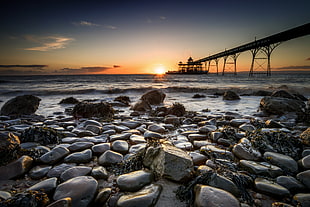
(134, 37)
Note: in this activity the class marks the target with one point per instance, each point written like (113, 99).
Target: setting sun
(159, 70)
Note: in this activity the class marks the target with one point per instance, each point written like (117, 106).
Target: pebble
(79, 146)
(305, 161)
(16, 168)
(304, 177)
(101, 148)
(261, 168)
(134, 181)
(80, 189)
(79, 157)
(48, 185)
(99, 172)
(110, 157)
(55, 155)
(270, 188)
(39, 171)
(124, 136)
(283, 161)
(120, 146)
(74, 172)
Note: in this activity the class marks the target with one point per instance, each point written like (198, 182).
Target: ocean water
(178, 88)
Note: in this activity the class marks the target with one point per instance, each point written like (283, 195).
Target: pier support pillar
(234, 57)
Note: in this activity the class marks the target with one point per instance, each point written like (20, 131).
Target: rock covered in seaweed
(85, 109)
(153, 97)
(230, 96)
(9, 147)
(21, 105)
(42, 135)
(280, 106)
(69, 100)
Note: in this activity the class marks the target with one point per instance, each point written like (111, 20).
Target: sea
(178, 88)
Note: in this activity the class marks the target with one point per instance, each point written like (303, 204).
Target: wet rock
(282, 94)
(195, 137)
(230, 95)
(207, 196)
(136, 148)
(207, 128)
(4, 195)
(47, 186)
(239, 122)
(131, 124)
(93, 128)
(103, 110)
(20, 105)
(223, 183)
(198, 159)
(280, 106)
(100, 148)
(290, 183)
(284, 162)
(123, 99)
(303, 199)
(124, 136)
(153, 97)
(246, 127)
(261, 168)
(54, 155)
(9, 147)
(245, 151)
(270, 188)
(64, 202)
(110, 157)
(174, 120)
(150, 134)
(99, 172)
(39, 172)
(79, 146)
(305, 137)
(306, 162)
(169, 161)
(103, 195)
(134, 181)
(273, 124)
(217, 152)
(146, 197)
(42, 135)
(216, 135)
(120, 146)
(75, 172)
(304, 177)
(79, 157)
(80, 189)
(69, 100)
(16, 168)
(177, 109)
(58, 169)
(137, 139)
(141, 106)
(156, 128)
(83, 132)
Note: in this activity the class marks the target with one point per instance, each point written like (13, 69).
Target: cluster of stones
(213, 160)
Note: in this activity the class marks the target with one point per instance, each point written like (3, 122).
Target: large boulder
(9, 146)
(16, 168)
(153, 97)
(87, 110)
(230, 96)
(169, 161)
(21, 105)
(280, 106)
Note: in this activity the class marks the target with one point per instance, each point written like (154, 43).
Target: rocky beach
(93, 154)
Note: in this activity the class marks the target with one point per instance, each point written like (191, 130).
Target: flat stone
(169, 161)
(207, 196)
(304, 177)
(79, 146)
(150, 134)
(239, 122)
(58, 169)
(124, 136)
(48, 185)
(207, 128)
(109, 132)
(273, 124)
(80, 189)
(92, 122)
(306, 162)
(120, 129)
(110, 157)
(55, 155)
(75, 172)
(303, 199)
(79, 157)
(247, 127)
(120, 146)
(156, 128)
(261, 168)
(131, 124)
(93, 128)
(39, 172)
(99, 172)
(184, 145)
(198, 159)
(16, 168)
(134, 181)
(283, 161)
(83, 132)
(137, 139)
(223, 183)
(194, 137)
(291, 183)
(101, 148)
(270, 188)
(146, 197)
(244, 150)
(200, 143)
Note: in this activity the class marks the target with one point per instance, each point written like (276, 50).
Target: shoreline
(215, 142)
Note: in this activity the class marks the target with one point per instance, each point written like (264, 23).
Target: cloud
(162, 18)
(295, 67)
(48, 43)
(86, 23)
(110, 27)
(88, 69)
(24, 66)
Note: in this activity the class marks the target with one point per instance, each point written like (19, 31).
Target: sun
(159, 70)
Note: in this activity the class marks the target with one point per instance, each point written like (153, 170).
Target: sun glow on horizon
(159, 70)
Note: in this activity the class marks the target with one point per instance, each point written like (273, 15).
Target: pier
(264, 47)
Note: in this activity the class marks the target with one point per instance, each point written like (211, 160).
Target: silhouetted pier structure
(265, 46)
